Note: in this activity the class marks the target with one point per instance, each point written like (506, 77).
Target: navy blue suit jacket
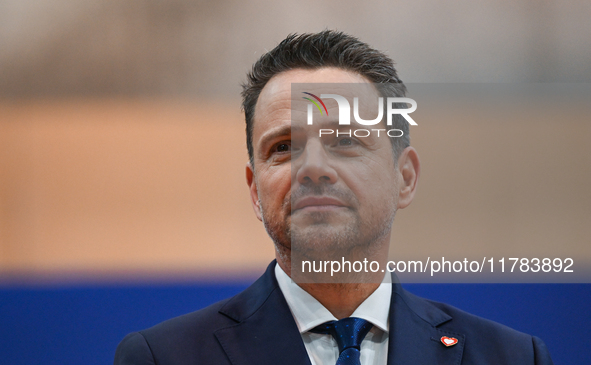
(257, 327)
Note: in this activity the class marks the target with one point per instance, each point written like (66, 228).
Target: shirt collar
(309, 313)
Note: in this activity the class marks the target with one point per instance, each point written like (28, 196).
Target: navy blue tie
(348, 332)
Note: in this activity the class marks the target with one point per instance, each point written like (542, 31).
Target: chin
(324, 240)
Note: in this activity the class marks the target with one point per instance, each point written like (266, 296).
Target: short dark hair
(324, 49)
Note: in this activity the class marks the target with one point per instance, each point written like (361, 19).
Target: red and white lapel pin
(449, 341)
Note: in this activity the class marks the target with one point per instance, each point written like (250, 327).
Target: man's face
(319, 194)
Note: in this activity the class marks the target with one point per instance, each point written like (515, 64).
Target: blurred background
(122, 153)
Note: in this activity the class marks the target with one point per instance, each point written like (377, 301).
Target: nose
(313, 165)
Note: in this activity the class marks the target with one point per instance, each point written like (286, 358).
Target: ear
(254, 194)
(409, 168)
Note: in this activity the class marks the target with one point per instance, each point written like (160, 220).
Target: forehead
(273, 107)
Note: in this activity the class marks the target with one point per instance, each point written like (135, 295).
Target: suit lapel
(414, 334)
(266, 332)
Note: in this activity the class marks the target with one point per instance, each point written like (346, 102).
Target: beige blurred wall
(158, 185)
(122, 146)
(125, 185)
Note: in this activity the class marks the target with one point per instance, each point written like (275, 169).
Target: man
(325, 196)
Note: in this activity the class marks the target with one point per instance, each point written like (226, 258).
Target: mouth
(318, 204)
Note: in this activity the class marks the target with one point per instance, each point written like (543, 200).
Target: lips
(317, 203)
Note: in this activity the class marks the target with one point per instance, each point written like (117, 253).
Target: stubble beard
(323, 241)
(279, 231)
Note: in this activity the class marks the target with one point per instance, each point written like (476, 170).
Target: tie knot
(348, 332)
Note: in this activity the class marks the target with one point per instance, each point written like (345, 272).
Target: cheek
(274, 185)
(373, 184)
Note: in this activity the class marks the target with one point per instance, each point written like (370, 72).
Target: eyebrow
(278, 132)
(274, 133)
(332, 122)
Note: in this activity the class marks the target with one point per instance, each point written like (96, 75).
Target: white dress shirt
(309, 313)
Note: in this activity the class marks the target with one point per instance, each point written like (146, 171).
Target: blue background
(82, 324)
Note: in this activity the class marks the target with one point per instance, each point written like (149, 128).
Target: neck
(341, 299)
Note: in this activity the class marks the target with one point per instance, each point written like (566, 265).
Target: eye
(282, 147)
(345, 142)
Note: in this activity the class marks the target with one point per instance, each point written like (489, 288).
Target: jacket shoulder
(190, 338)
(491, 342)
(184, 339)
(475, 325)
(196, 323)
